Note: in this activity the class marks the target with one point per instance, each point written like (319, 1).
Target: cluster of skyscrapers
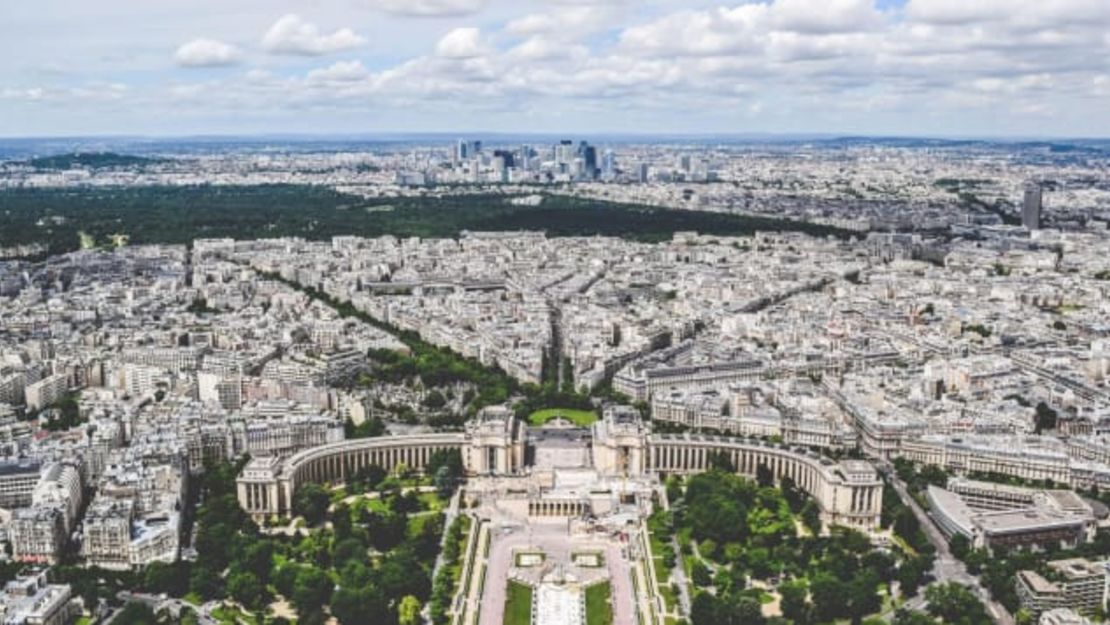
(565, 159)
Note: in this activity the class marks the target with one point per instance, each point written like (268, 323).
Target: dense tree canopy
(311, 501)
(174, 214)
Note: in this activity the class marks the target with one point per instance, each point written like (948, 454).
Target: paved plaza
(556, 542)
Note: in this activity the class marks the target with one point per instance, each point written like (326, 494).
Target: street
(947, 567)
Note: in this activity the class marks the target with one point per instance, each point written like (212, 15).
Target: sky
(1025, 68)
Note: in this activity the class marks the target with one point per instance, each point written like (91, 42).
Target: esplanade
(847, 492)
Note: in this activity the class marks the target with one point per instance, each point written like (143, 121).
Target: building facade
(847, 492)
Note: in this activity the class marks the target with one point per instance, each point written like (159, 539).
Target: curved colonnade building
(847, 492)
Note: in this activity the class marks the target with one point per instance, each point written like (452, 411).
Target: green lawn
(599, 611)
(670, 600)
(431, 501)
(580, 418)
(518, 604)
(416, 522)
(373, 504)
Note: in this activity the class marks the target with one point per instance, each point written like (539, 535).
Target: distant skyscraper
(564, 152)
(643, 177)
(608, 163)
(461, 151)
(578, 167)
(525, 157)
(1031, 207)
(506, 156)
(589, 159)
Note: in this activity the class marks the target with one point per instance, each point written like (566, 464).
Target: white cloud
(292, 35)
(461, 43)
(540, 48)
(825, 16)
(431, 8)
(92, 91)
(31, 94)
(957, 11)
(564, 23)
(713, 32)
(206, 53)
(1039, 14)
(342, 71)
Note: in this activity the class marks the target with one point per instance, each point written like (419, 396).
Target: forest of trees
(54, 217)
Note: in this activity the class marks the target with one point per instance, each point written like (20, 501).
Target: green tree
(882, 563)
(172, 579)
(400, 574)
(311, 501)
(747, 611)
(360, 606)
(705, 610)
(830, 597)
(347, 549)
(720, 461)
(912, 574)
(205, 582)
(369, 428)
(434, 400)
(408, 611)
(444, 482)
(367, 478)
(863, 596)
(700, 575)
(246, 588)
(954, 603)
(311, 589)
(908, 617)
(906, 524)
(259, 559)
(135, 614)
(1045, 418)
(794, 496)
(795, 601)
(285, 578)
(811, 517)
(960, 546)
(763, 476)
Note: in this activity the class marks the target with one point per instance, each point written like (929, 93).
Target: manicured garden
(581, 418)
(518, 604)
(599, 607)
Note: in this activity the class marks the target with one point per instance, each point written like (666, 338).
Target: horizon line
(705, 135)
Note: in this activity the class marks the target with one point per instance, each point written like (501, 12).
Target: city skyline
(892, 68)
(555, 312)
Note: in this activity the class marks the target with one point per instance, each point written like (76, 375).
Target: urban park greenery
(745, 538)
(56, 217)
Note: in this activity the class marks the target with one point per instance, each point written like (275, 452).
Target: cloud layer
(918, 66)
